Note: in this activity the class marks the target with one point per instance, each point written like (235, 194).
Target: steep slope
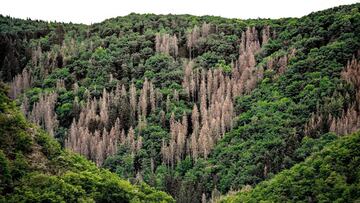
(33, 168)
(331, 175)
(194, 106)
(273, 118)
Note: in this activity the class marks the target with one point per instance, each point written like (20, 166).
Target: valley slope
(198, 107)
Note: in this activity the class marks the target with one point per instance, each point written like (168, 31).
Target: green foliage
(225, 68)
(310, 145)
(208, 59)
(34, 168)
(65, 113)
(58, 74)
(45, 188)
(330, 175)
(13, 136)
(122, 163)
(20, 166)
(270, 126)
(158, 63)
(165, 68)
(49, 147)
(126, 164)
(5, 176)
(268, 133)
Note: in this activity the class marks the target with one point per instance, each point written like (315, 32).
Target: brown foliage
(20, 83)
(43, 112)
(167, 44)
(351, 73)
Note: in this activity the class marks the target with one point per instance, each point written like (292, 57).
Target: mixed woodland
(165, 108)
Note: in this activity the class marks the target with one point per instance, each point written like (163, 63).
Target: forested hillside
(34, 168)
(332, 175)
(197, 107)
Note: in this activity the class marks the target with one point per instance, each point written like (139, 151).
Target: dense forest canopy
(34, 168)
(197, 107)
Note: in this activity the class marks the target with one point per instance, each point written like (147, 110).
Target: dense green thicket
(34, 168)
(272, 118)
(331, 175)
(268, 135)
